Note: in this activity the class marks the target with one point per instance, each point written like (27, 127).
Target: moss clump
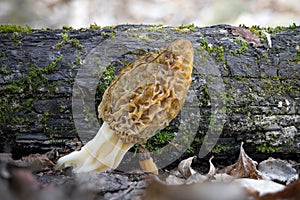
(3, 70)
(159, 140)
(293, 26)
(296, 57)
(221, 148)
(16, 38)
(65, 40)
(220, 54)
(217, 50)
(52, 65)
(257, 30)
(243, 48)
(7, 111)
(67, 28)
(10, 28)
(94, 26)
(106, 78)
(265, 148)
(184, 28)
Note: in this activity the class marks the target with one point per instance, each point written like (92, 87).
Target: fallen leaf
(146, 162)
(212, 170)
(246, 35)
(38, 162)
(278, 170)
(185, 168)
(245, 167)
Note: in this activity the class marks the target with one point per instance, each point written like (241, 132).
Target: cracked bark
(256, 86)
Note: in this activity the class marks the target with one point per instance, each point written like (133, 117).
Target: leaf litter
(271, 179)
(253, 181)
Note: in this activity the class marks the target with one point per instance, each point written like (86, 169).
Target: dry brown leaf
(245, 167)
(246, 35)
(212, 170)
(146, 161)
(185, 168)
(38, 162)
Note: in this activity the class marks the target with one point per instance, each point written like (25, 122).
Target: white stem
(104, 152)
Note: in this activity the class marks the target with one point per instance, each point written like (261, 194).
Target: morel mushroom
(142, 99)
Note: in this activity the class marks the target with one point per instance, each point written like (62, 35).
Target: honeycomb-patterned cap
(149, 92)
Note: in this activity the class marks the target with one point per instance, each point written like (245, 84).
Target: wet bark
(52, 80)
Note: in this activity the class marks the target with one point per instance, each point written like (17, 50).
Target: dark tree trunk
(246, 88)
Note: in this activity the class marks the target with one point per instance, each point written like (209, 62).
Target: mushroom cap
(148, 93)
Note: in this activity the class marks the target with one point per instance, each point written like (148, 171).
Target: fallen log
(245, 87)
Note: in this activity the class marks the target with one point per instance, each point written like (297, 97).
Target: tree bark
(245, 87)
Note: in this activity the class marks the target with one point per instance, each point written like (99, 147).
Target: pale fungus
(144, 97)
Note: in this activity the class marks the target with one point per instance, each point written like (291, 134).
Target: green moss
(239, 78)
(243, 48)
(94, 26)
(67, 28)
(106, 78)
(108, 34)
(257, 30)
(27, 105)
(265, 148)
(265, 55)
(296, 57)
(220, 54)
(184, 28)
(139, 36)
(236, 40)
(190, 150)
(10, 28)
(155, 28)
(159, 140)
(205, 97)
(75, 43)
(7, 112)
(261, 31)
(273, 86)
(3, 70)
(16, 38)
(14, 88)
(66, 40)
(205, 44)
(221, 148)
(218, 50)
(45, 117)
(31, 83)
(52, 65)
(104, 34)
(293, 26)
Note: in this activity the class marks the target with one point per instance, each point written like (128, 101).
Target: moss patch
(66, 40)
(265, 148)
(10, 28)
(184, 28)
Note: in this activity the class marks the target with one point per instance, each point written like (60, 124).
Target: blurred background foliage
(82, 13)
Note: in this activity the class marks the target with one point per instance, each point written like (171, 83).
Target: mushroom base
(104, 152)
